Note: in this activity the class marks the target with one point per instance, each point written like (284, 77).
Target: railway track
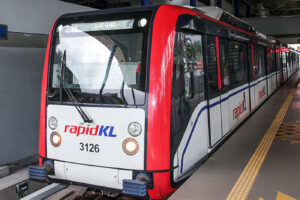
(73, 192)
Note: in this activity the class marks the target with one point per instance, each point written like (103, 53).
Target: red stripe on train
(42, 138)
(218, 62)
(160, 91)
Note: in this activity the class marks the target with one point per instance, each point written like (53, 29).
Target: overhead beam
(286, 36)
(285, 25)
(286, 9)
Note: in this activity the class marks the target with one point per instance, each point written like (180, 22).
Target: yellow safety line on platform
(244, 183)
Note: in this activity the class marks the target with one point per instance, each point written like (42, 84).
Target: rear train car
(134, 100)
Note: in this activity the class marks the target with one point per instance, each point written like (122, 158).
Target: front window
(100, 61)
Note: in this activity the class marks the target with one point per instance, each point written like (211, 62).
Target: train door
(189, 123)
(260, 84)
(260, 72)
(270, 74)
(213, 91)
(279, 67)
(283, 56)
(226, 85)
(253, 80)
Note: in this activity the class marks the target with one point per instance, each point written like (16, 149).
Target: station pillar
(145, 2)
(219, 3)
(193, 3)
(236, 8)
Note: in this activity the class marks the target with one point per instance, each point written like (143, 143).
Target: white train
(133, 100)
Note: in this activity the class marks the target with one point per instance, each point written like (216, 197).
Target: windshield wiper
(111, 56)
(133, 96)
(122, 93)
(71, 96)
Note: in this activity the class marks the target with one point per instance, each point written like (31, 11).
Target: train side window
(259, 61)
(269, 61)
(262, 62)
(188, 67)
(237, 61)
(273, 61)
(188, 64)
(225, 68)
(212, 71)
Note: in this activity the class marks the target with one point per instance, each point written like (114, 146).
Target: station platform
(260, 161)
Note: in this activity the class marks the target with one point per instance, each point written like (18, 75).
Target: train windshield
(100, 62)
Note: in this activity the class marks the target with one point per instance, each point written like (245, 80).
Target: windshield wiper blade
(122, 93)
(133, 96)
(71, 96)
(111, 56)
(83, 115)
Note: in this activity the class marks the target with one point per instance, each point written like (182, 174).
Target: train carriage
(134, 100)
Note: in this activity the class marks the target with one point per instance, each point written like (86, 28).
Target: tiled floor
(280, 171)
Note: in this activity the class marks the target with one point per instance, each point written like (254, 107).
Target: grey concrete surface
(21, 65)
(8, 184)
(45, 192)
(13, 179)
(4, 171)
(279, 173)
(20, 86)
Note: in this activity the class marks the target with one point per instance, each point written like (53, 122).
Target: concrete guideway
(45, 192)
(261, 159)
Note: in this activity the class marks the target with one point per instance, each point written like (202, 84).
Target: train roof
(213, 13)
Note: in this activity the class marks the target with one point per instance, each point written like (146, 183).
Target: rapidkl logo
(240, 108)
(262, 92)
(106, 131)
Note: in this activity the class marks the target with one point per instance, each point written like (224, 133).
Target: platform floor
(237, 169)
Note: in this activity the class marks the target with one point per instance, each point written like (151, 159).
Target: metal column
(145, 2)
(248, 11)
(193, 3)
(237, 8)
(219, 3)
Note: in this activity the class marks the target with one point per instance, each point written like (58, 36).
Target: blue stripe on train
(211, 106)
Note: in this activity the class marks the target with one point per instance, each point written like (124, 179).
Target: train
(134, 100)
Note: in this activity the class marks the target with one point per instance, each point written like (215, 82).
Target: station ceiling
(263, 13)
(275, 7)
(103, 4)
(282, 7)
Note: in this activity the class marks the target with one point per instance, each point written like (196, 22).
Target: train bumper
(137, 187)
(37, 173)
(134, 187)
(41, 173)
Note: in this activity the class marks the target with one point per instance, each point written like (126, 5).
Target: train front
(93, 112)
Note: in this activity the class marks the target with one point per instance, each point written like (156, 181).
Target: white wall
(34, 16)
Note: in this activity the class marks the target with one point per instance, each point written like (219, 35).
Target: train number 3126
(89, 147)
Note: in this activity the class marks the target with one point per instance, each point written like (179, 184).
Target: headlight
(55, 139)
(52, 123)
(142, 22)
(130, 146)
(134, 129)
